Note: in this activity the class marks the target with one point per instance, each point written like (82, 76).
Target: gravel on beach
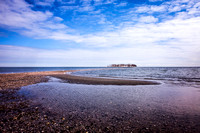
(16, 80)
(18, 114)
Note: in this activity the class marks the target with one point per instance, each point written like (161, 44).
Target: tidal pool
(167, 107)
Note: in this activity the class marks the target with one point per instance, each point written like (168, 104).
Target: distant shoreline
(17, 80)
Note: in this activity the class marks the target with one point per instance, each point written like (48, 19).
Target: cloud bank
(142, 56)
(108, 31)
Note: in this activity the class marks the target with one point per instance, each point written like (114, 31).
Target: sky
(99, 32)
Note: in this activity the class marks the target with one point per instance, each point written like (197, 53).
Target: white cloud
(155, 0)
(195, 9)
(110, 1)
(63, 36)
(44, 2)
(18, 16)
(58, 19)
(67, 2)
(142, 56)
(160, 8)
(142, 9)
(66, 8)
(151, 9)
(148, 19)
(104, 2)
(122, 4)
(102, 20)
(174, 8)
(175, 40)
(85, 8)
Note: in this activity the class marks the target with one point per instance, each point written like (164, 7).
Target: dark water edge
(39, 69)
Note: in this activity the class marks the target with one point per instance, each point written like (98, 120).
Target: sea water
(184, 75)
(38, 69)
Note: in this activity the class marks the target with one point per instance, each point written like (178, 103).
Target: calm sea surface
(189, 75)
(38, 69)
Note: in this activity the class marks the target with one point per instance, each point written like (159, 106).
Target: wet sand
(101, 81)
(59, 106)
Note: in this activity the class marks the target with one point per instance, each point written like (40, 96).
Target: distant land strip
(122, 65)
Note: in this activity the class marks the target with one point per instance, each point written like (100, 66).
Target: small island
(122, 65)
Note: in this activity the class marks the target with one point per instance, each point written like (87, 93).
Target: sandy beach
(59, 102)
(16, 80)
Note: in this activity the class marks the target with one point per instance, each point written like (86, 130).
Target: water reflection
(64, 97)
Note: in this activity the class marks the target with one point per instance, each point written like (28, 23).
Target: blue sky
(99, 32)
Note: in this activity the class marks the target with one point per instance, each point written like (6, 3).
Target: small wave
(68, 73)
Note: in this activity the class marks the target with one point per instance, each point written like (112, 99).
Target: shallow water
(167, 107)
(64, 97)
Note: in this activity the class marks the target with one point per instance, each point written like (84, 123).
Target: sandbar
(17, 80)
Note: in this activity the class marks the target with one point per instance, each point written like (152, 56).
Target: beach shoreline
(17, 80)
(87, 104)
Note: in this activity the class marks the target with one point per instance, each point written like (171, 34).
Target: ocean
(38, 69)
(183, 75)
